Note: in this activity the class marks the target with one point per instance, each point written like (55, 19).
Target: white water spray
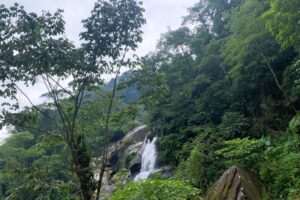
(149, 157)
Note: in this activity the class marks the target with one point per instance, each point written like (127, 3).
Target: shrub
(157, 190)
(244, 152)
(203, 165)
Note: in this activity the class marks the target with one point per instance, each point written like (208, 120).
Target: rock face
(136, 135)
(131, 143)
(237, 184)
(114, 161)
(119, 149)
(163, 173)
(135, 165)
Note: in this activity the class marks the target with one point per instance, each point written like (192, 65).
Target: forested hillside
(222, 90)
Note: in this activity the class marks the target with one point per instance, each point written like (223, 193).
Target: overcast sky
(160, 14)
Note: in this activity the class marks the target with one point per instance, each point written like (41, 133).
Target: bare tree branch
(36, 107)
(58, 84)
(106, 130)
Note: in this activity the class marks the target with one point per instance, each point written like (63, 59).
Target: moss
(156, 176)
(129, 158)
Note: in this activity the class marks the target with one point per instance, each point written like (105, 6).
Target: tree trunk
(106, 136)
(83, 171)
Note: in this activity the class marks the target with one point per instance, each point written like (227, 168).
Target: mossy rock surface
(294, 125)
(237, 184)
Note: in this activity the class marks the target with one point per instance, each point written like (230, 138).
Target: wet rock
(114, 161)
(134, 148)
(162, 173)
(121, 149)
(166, 172)
(237, 184)
(135, 165)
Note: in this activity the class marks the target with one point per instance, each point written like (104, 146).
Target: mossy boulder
(239, 184)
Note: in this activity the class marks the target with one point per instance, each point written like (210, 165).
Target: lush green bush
(203, 165)
(291, 81)
(35, 170)
(157, 190)
(244, 152)
(234, 124)
(281, 169)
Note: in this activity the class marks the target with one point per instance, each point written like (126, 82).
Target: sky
(160, 15)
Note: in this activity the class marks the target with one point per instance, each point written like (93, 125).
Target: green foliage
(291, 81)
(203, 165)
(224, 78)
(35, 45)
(213, 87)
(121, 178)
(282, 20)
(49, 53)
(114, 26)
(234, 125)
(35, 170)
(294, 125)
(280, 171)
(244, 152)
(157, 189)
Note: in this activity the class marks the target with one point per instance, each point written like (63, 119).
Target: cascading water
(149, 157)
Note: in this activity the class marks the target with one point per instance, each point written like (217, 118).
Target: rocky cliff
(124, 158)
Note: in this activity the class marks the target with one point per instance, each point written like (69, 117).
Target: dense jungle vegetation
(221, 90)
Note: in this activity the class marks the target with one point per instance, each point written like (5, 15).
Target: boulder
(162, 173)
(166, 172)
(136, 135)
(237, 184)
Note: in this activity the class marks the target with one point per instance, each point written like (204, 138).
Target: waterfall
(149, 157)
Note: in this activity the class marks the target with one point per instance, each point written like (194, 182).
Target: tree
(282, 20)
(33, 47)
(204, 165)
(251, 44)
(211, 16)
(112, 31)
(35, 170)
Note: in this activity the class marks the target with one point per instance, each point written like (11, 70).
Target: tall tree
(33, 48)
